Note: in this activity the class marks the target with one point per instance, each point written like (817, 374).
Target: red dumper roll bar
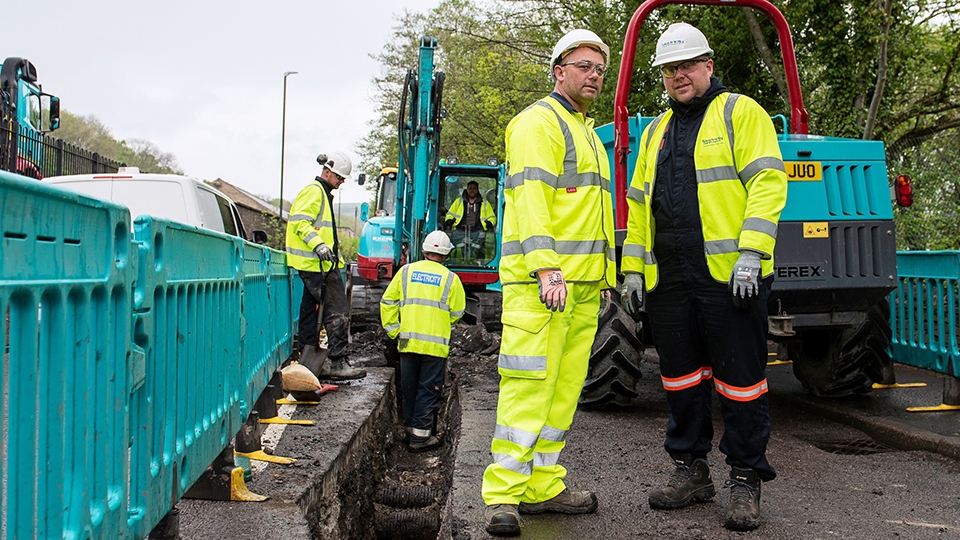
(798, 115)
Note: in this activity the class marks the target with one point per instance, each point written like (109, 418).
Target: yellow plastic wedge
(238, 488)
(260, 455)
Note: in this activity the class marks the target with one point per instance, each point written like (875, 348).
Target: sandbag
(297, 378)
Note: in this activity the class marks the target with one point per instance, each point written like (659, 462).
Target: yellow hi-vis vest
(486, 212)
(558, 213)
(309, 224)
(741, 188)
(420, 305)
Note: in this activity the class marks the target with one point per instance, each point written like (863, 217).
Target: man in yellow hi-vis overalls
(557, 256)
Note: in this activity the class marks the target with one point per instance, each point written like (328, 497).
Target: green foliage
(933, 220)
(89, 133)
(349, 247)
(874, 69)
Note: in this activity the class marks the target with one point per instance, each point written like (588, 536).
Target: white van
(168, 196)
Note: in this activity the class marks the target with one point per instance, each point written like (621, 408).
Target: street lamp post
(283, 135)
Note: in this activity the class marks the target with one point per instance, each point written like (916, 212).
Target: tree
(89, 133)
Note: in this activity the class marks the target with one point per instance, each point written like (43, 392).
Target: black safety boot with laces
(690, 483)
(502, 520)
(743, 512)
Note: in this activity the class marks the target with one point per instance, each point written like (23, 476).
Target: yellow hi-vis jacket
(309, 224)
(741, 188)
(420, 305)
(558, 212)
(486, 212)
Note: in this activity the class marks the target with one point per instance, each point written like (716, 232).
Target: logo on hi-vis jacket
(426, 278)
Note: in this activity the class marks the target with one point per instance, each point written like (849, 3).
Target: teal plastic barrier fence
(130, 359)
(923, 311)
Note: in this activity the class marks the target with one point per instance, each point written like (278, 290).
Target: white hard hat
(681, 41)
(574, 39)
(437, 242)
(338, 162)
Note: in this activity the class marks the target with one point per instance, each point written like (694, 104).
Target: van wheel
(614, 360)
(841, 362)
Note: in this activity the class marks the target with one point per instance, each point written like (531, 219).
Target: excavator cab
(474, 241)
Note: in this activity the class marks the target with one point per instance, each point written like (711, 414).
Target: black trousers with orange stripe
(706, 346)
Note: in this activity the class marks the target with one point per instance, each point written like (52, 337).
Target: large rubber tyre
(841, 362)
(614, 360)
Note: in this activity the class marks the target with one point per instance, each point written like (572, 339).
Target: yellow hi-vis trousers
(542, 369)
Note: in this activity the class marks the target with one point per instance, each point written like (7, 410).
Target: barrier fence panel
(66, 298)
(923, 311)
(188, 322)
(130, 359)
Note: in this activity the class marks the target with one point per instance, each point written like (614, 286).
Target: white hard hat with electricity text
(338, 162)
(577, 38)
(437, 242)
(681, 41)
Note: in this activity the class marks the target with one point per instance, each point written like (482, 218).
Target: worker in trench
(419, 307)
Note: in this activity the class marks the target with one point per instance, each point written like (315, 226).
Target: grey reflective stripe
(612, 253)
(553, 434)
(511, 248)
(716, 174)
(728, 121)
(720, 247)
(635, 250)
(310, 236)
(424, 302)
(545, 459)
(420, 432)
(317, 223)
(424, 337)
(445, 297)
(570, 156)
(389, 302)
(538, 242)
(523, 363)
(584, 179)
(636, 194)
(301, 253)
(515, 435)
(403, 284)
(760, 164)
(533, 174)
(301, 217)
(507, 462)
(653, 127)
(392, 327)
(760, 225)
(581, 247)
(457, 313)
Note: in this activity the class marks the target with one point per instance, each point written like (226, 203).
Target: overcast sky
(203, 80)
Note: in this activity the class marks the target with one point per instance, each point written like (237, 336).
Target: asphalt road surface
(834, 480)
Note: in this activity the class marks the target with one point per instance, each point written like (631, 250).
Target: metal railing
(924, 311)
(43, 156)
(131, 358)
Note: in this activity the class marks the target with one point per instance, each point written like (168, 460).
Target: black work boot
(337, 369)
(419, 444)
(689, 483)
(743, 512)
(502, 520)
(566, 502)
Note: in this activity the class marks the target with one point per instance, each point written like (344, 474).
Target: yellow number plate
(803, 171)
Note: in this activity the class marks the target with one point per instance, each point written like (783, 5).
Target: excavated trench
(394, 493)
